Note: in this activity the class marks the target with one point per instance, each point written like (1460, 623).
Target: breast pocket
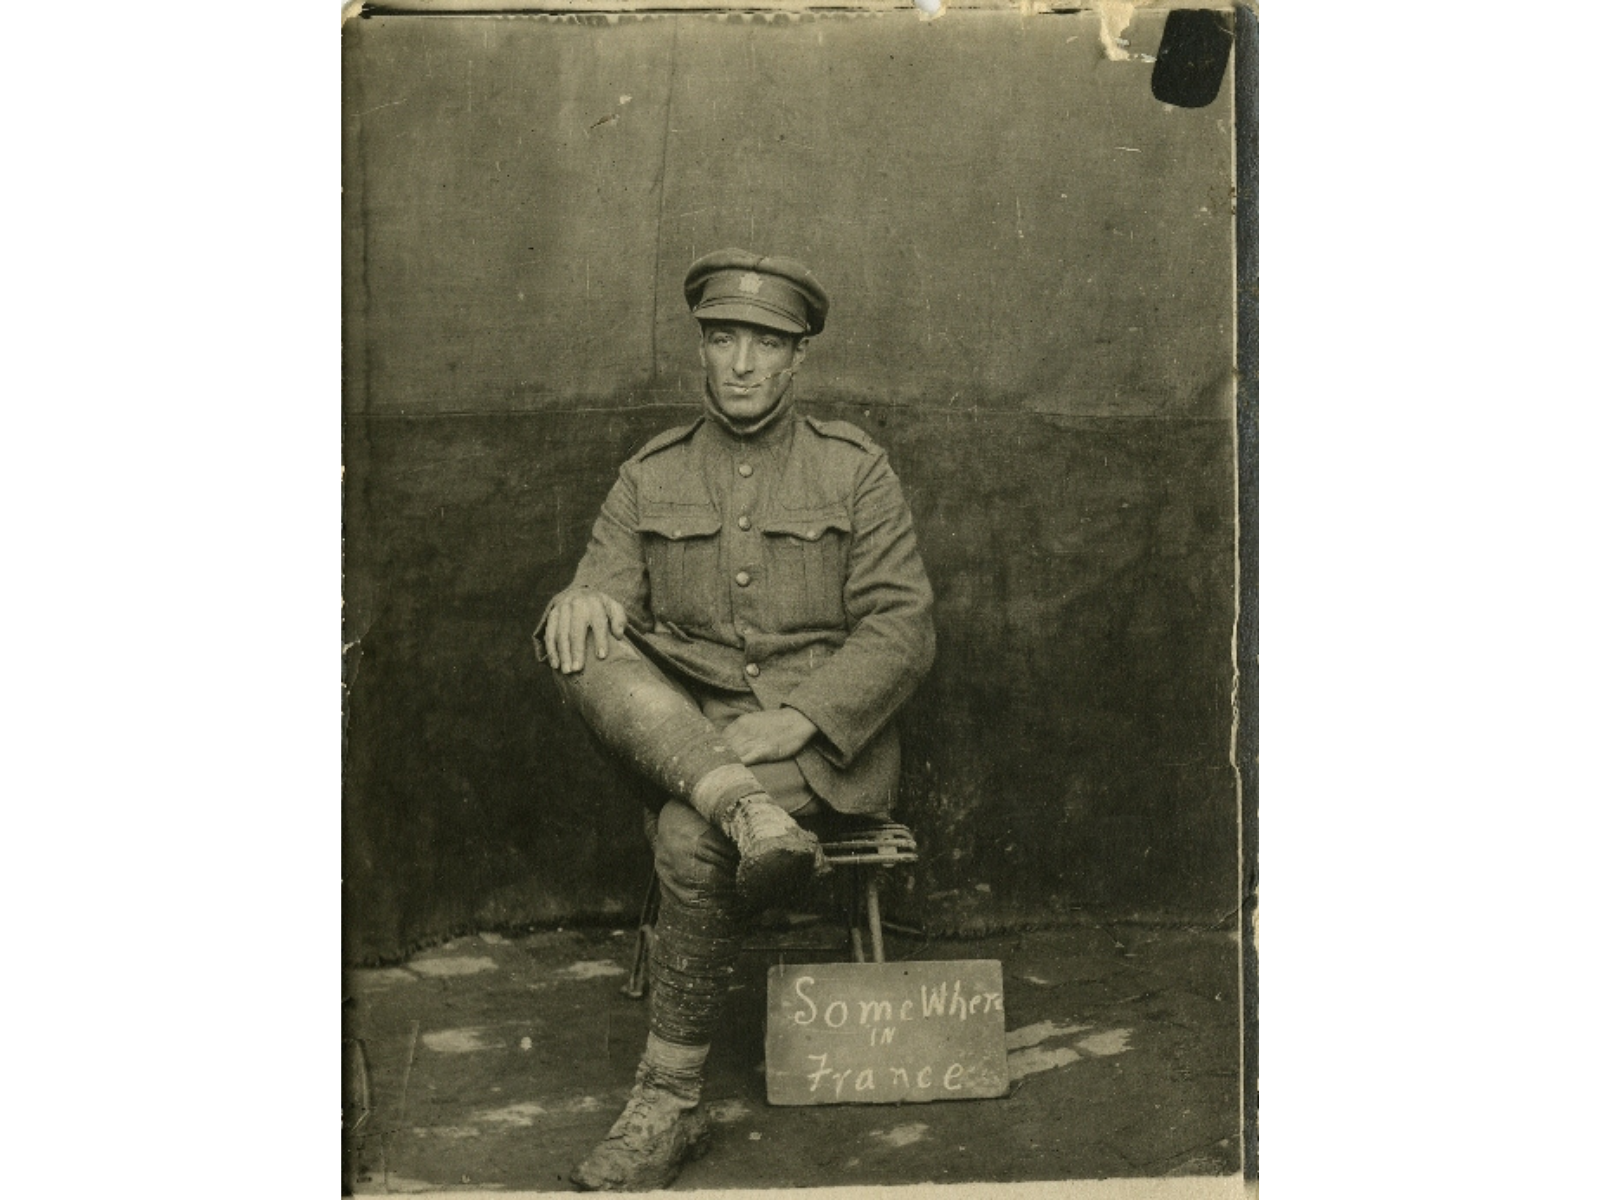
(806, 555)
(681, 556)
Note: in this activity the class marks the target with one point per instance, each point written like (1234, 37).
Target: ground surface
(496, 1063)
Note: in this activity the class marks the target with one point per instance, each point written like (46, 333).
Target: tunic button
(752, 670)
(744, 522)
(742, 578)
(746, 470)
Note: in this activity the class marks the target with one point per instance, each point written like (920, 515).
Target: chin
(745, 408)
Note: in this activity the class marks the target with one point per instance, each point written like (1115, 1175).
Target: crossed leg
(721, 845)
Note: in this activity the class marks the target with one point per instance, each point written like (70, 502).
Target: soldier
(749, 614)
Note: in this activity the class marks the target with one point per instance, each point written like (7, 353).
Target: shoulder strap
(845, 432)
(669, 438)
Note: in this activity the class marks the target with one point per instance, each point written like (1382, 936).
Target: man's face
(748, 368)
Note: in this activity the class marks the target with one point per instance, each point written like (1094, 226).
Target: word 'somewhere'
(885, 1033)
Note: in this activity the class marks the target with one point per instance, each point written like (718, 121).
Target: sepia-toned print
(793, 598)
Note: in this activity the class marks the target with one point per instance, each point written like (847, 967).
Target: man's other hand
(769, 736)
(575, 613)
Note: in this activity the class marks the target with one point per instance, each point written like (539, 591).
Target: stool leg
(639, 978)
(853, 918)
(357, 1108)
(874, 919)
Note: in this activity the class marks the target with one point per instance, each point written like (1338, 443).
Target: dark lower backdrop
(1031, 260)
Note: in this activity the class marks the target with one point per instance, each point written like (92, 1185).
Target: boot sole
(696, 1133)
(778, 866)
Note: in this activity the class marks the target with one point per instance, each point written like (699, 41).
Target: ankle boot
(775, 854)
(661, 1128)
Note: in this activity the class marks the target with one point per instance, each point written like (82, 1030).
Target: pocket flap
(807, 527)
(678, 523)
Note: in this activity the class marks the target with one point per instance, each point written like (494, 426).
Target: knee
(622, 659)
(625, 691)
(694, 861)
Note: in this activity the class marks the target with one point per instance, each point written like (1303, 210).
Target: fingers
(555, 640)
(737, 736)
(746, 739)
(577, 627)
(550, 640)
(572, 621)
(591, 616)
(559, 620)
(568, 647)
(761, 750)
(767, 736)
(612, 618)
(749, 749)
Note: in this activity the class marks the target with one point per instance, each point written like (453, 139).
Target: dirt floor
(495, 1063)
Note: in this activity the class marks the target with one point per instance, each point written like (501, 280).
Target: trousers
(658, 728)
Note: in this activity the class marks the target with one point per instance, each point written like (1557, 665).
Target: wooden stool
(866, 853)
(863, 852)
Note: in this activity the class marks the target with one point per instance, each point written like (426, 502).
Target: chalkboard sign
(885, 1033)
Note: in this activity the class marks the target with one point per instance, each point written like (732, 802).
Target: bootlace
(758, 818)
(634, 1126)
(648, 1113)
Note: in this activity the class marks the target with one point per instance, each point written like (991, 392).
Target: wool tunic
(781, 564)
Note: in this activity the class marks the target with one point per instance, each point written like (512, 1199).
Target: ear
(799, 353)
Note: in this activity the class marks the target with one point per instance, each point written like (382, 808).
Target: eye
(770, 343)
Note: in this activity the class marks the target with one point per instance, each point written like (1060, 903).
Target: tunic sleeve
(613, 563)
(889, 606)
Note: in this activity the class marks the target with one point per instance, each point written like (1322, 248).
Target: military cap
(775, 293)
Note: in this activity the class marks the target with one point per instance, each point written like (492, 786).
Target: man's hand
(575, 613)
(769, 736)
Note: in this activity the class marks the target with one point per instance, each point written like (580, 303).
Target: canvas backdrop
(1031, 264)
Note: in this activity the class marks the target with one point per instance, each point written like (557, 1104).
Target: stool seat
(863, 851)
(885, 845)
(875, 846)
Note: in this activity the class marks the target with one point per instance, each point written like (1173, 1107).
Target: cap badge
(750, 283)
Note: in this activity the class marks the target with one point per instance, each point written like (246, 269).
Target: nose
(742, 356)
